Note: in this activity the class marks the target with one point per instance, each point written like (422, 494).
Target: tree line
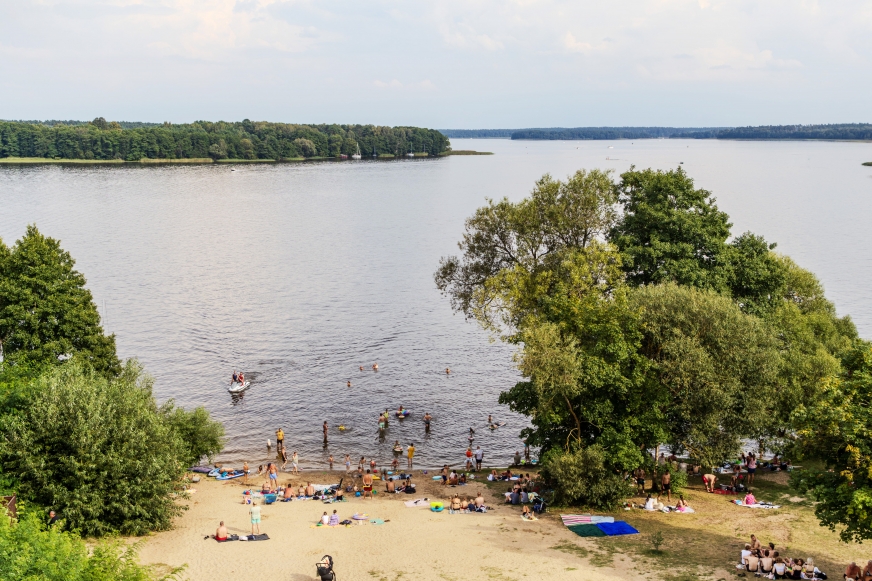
(80, 431)
(607, 133)
(103, 140)
(643, 322)
(845, 131)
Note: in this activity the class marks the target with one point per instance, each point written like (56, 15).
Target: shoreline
(210, 161)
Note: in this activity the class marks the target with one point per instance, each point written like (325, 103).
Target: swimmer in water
(375, 366)
(490, 419)
(349, 383)
(427, 418)
(361, 367)
(447, 371)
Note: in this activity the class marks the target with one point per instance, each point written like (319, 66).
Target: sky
(442, 63)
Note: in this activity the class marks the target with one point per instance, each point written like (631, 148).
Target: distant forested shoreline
(246, 140)
(844, 131)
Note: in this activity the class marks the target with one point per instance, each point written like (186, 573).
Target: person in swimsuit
(427, 419)
(367, 484)
(395, 464)
(666, 485)
(330, 462)
(245, 472)
(235, 378)
(310, 490)
(349, 383)
(375, 366)
(221, 532)
(254, 511)
(324, 429)
(389, 486)
(752, 468)
(294, 460)
(280, 439)
(410, 451)
(639, 475)
(709, 481)
(273, 476)
(455, 503)
(347, 463)
(284, 458)
(444, 474)
(241, 378)
(447, 371)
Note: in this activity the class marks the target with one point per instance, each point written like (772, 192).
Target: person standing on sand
(666, 485)
(254, 511)
(280, 440)
(411, 453)
(294, 460)
(324, 428)
(347, 463)
(367, 484)
(245, 472)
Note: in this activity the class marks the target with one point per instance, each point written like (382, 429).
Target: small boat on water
(356, 155)
(237, 387)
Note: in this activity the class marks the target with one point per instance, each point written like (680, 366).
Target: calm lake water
(300, 273)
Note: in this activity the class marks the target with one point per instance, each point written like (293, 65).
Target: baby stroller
(324, 569)
(539, 505)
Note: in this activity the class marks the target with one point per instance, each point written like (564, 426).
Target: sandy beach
(413, 543)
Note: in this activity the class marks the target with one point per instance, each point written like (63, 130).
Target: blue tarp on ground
(613, 529)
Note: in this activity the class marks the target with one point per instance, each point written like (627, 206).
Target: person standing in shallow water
(325, 432)
(411, 454)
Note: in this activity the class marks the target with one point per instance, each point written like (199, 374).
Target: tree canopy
(46, 313)
(641, 323)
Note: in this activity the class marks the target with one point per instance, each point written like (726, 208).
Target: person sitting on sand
(479, 500)
(709, 481)
(334, 519)
(493, 476)
(310, 490)
(766, 561)
(452, 478)
(455, 503)
(289, 492)
(867, 571)
(749, 499)
(650, 503)
(853, 572)
(462, 479)
(301, 491)
(746, 552)
(681, 505)
(444, 474)
(390, 486)
(516, 461)
(265, 488)
(325, 518)
(221, 532)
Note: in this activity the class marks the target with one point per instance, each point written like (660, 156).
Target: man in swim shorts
(479, 456)
(254, 511)
(221, 532)
(666, 485)
(427, 418)
(709, 481)
(273, 476)
(411, 453)
(367, 484)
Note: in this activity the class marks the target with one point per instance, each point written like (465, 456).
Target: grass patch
(180, 160)
(465, 152)
(572, 549)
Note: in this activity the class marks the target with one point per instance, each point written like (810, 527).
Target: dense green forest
(596, 133)
(843, 131)
(103, 140)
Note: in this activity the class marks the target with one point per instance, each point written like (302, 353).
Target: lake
(298, 274)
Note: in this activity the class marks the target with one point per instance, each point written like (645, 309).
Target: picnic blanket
(420, 503)
(614, 529)
(263, 537)
(577, 519)
(586, 530)
(758, 505)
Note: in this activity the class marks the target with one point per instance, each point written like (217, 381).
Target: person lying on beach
(527, 513)
(221, 532)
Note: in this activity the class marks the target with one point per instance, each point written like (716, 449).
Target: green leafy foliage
(670, 230)
(104, 140)
(30, 551)
(583, 478)
(199, 434)
(837, 428)
(97, 450)
(46, 313)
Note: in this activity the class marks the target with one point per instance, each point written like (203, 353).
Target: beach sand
(413, 543)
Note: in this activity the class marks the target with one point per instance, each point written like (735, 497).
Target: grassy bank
(465, 152)
(36, 160)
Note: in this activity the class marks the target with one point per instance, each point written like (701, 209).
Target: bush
(200, 434)
(99, 451)
(31, 551)
(582, 477)
(678, 480)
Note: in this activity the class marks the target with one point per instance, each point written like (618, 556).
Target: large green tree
(837, 429)
(99, 450)
(46, 313)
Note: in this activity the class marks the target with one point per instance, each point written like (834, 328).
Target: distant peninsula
(206, 141)
(845, 131)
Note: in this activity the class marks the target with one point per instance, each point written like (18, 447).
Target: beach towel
(758, 505)
(255, 538)
(576, 519)
(587, 530)
(228, 539)
(722, 491)
(420, 503)
(377, 521)
(614, 529)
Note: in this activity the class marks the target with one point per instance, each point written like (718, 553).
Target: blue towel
(613, 529)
